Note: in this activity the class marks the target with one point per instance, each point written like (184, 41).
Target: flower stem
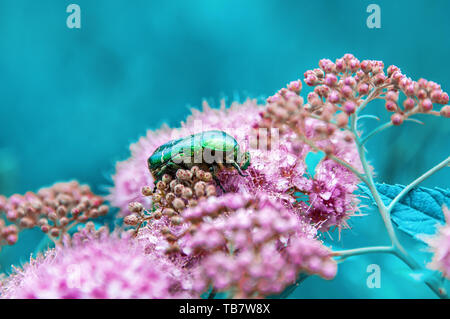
(364, 250)
(427, 174)
(334, 158)
(375, 131)
(397, 249)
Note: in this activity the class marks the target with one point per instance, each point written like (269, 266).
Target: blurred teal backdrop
(71, 101)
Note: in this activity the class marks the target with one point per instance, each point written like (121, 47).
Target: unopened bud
(342, 120)
(166, 178)
(397, 119)
(178, 204)
(445, 111)
(131, 220)
(147, 191)
(135, 207)
(26, 222)
(54, 232)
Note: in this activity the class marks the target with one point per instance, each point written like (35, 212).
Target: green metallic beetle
(210, 150)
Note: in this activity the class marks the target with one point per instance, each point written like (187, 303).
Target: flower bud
(210, 190)
(176, 220)
(61, 211)
(187, 193)
(330, 79)
(333, 97)
(408, 104)
(295, 86)
(54, 232)
(445, 111)
(178, 189)
(64, 221)
(178, 204)
(166, 178)
(11, 239)
(131, 220)
(347, 91)
(147, 191)
(170, 197)
(391, 106)
(103, 210)
(342, 120)
(161, 185)
(26, 222)
(392, 96)
(207, 177)
(12, 215)
(397, 119)
(349, 107)
(135, 207)
(363, 89)
(169, 212)
(426, 105)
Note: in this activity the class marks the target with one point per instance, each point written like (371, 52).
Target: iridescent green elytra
(210, 149)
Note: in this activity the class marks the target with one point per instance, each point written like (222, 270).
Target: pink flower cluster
(109, 267)
(251, 246)
(440, 246)
(348, 82)
(54, 210)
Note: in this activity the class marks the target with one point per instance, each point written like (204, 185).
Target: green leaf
(418, 212)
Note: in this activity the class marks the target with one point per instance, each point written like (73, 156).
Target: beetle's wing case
(219, 141)
(164, 153)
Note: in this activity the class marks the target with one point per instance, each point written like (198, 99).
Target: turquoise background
(71, 101)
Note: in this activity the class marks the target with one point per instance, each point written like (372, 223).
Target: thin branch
(375, 131)
(334, 158)
(364, 250)
(413, 184)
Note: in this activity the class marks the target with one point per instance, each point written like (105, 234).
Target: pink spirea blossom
(105, 267)
(440, 246)
(274, 171)
(252, 246)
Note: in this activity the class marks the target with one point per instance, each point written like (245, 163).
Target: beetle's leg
(236, 166)
(213, 173)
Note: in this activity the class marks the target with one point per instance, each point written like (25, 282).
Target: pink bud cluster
(440, 246)
(173, 194)
(250, 246)
(54, 210)
(348, 84)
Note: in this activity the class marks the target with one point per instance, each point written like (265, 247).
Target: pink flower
(107, 267)
(440, 245)
(251, 246)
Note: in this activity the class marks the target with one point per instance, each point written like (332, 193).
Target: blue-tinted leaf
(419, 211)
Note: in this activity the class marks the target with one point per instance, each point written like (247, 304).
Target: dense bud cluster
(173, 194)
(54, 210)
(343, 88)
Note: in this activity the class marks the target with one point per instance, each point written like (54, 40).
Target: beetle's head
(245, 161)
